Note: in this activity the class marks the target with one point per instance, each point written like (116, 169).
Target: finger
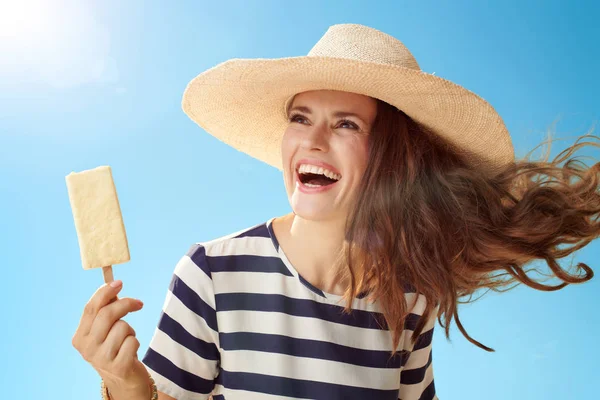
(128, 352)
(111, 313)
(115, 338)
(103, 296)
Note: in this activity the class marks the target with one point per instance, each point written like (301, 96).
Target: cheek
(287, 141)
(287, 146)
(364, 152)
(358, 154)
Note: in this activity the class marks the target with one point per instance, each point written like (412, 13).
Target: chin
(313, 212)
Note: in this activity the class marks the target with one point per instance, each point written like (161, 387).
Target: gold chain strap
(106, 395)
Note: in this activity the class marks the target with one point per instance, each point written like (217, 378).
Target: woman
(397, 216)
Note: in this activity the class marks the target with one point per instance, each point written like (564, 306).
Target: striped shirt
(241, 323)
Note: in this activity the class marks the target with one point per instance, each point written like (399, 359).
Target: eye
(347, 124)
(297, 118)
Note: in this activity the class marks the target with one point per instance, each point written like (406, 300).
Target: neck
(312, 247)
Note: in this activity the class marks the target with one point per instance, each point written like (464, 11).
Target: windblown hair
(424, 217)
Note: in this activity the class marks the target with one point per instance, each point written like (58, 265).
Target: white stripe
(245, 395)
(413, 392)
(169, 388)
(419, 306)
(250, 246)
(274, 323)
(191, 322)
(182, 357)
(196, 279)
(286, 366)
(418, 358)
(304, 328)
(259, 282)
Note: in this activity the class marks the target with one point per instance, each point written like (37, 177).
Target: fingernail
(141, 303)
(116, 284)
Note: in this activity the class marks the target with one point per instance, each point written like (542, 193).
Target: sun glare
(58, 42)
(22, 20)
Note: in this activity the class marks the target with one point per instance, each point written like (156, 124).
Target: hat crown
(362, 43)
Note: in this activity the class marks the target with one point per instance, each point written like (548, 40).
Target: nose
(316, 138)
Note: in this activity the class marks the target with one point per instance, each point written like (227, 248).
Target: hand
(109, 343)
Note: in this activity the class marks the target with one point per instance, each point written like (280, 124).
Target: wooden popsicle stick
(108, 274)
(108, 278)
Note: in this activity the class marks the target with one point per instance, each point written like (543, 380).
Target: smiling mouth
(315, 180)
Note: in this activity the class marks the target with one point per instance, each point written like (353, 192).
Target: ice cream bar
(98, 220)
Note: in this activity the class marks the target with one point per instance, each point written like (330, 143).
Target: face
(325, 150)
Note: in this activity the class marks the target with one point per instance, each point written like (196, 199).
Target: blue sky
(85, 83)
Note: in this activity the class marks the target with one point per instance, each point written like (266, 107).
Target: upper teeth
(312, 169)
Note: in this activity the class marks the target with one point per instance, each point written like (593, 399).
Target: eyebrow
(337, 114)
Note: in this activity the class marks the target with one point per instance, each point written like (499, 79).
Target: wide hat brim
(242, 103)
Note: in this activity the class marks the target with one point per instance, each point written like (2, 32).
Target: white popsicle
(98, 220)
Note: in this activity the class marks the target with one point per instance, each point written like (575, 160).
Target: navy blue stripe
(182, 378)
(259, 230)
(218, 397)
(198, 255)
(408, 288)
(310, 349)
(271, 234)
(193, 302)
(178, 333)
(299, 388)
(247, 263)
(411, 321)
(412, 376)
(306, 308)
(423, 340)
(298, 307)
(429, 392)
(311, 287)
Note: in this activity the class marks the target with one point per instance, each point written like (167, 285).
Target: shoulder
(254, 241)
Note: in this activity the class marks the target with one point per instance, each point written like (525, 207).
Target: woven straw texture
(242, 102)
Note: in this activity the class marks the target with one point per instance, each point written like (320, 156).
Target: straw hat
(242, 102)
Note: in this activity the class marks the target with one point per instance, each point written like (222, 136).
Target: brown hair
(424, 217)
